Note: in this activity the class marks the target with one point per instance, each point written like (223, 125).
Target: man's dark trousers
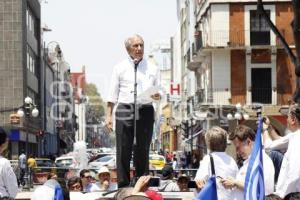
(124, 138)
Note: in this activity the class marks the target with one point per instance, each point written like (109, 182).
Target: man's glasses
(88, 177)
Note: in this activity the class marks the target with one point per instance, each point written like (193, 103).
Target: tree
(95, 107)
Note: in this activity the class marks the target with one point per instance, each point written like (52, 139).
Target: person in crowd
(52, 175)
(243, 139)
(167, 184)
(22, 166)
(274, 144)
(121, 93)
(31, 163)
(188, 160)
(86, 179)
(50, 190)
(75, 184)
(182, 183)
(289, 175)
(273, 197)
(140, 191)
(195, 162)
(8, 179)
(182, 160)
(225, 166)
(105, 183)
(175, 163)
(292, 196)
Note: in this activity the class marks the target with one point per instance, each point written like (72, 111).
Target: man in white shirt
(8, 180)
(225, 166)
(243, 139)
(22, 166)
(105, 183)
(289, 176)
(122, 93)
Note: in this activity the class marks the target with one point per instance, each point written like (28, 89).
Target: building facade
(239, 60)
(20, 70)
(78, 83)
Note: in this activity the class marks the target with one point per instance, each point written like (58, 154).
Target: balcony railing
(226, 96)
(236, 38)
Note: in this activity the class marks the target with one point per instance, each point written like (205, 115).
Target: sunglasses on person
(88, 177)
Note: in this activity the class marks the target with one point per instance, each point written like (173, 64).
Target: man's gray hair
(128, 41)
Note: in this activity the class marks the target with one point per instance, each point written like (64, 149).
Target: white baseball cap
(103, 170)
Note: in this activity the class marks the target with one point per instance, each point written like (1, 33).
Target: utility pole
(296, 30)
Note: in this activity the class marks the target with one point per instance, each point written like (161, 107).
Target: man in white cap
(105, 183)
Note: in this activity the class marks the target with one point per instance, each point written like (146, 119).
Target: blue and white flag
(254, 183)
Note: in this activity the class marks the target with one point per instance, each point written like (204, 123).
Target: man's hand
(266, 123)
(105, 185)
(228, 182)
(156, 96)
(200, 184)
(109, 124)
(141, 184)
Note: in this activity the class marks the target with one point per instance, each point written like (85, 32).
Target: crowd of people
(280, 160)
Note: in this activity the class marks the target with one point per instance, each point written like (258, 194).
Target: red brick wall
(261, 56)
(284, 17)
(236, 25)
(238, 76)
(285, 74)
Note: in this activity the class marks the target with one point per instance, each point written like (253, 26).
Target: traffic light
(185, 128)
(14, 118)
(40, 133)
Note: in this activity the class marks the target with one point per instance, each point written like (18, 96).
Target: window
(31, 23)
(31, 60)
(259, 29)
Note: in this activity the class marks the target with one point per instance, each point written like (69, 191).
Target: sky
(92, 32)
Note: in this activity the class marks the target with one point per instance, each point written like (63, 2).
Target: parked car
(65, 161)
(157, 161)
(108, 161)
(99, 155)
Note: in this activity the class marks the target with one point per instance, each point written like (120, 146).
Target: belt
(138, 105)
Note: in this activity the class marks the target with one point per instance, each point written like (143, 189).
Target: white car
(108, 161)
(65, 161)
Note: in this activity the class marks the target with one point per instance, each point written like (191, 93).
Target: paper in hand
(145, 97)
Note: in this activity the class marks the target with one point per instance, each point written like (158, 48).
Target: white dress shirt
(8, 180)
(280, 144)
(289, 176)
(225, 166)
(22, 161)
(269, 173)
(111, 187)
(122, 80)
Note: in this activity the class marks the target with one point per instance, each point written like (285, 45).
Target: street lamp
(28, 110)
(239, 114)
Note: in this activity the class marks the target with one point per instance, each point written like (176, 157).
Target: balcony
(239, 39)
(227, 96)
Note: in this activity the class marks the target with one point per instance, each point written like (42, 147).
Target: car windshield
(44, 163)
(104, 159)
